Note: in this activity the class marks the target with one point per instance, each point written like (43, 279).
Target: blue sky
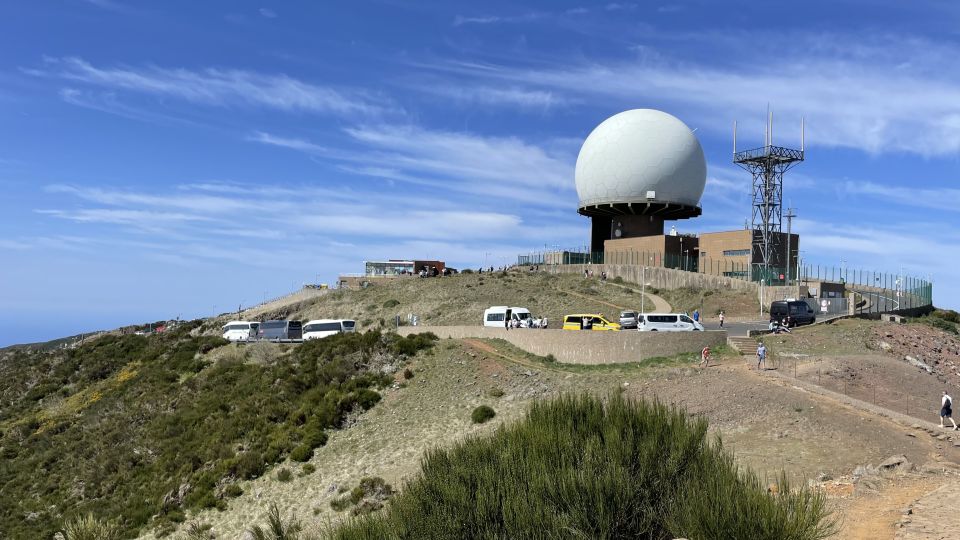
(179, 158)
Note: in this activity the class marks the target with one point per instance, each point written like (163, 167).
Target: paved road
(735, 329)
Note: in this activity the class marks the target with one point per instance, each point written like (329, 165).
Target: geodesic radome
(639, 151)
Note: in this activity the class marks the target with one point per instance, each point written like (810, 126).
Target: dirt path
(486, 348)
(934, 516)
(875, 516)
(659, 304)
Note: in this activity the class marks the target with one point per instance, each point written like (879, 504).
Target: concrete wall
(662, 278)
(585, 347)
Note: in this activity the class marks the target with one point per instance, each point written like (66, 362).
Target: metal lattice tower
(767, 166)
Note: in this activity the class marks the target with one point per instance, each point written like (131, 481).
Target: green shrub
(577, 467)
(307, 469)
(233, 490)
(948, 315)
(617, 279)
(391, 303)
(496, 392)
(277, 528)
(90, 528)
(284, 475)
(550, 358)
(199, 531)
(407, 374)
(482, 414)
(302, 453)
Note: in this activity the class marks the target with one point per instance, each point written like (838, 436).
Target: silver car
(628, 319)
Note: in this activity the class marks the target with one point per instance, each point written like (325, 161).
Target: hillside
(143, 430)
(461, 299)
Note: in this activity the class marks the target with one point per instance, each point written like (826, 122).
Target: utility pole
(786, 265)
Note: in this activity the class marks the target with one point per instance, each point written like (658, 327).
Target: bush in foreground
(578, 468)
(481, 414)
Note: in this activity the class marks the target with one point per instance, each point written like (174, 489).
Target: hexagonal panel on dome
(638, 151)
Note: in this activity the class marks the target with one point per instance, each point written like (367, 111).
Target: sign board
(823, 306)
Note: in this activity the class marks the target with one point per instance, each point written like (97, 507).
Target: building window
(736, 252)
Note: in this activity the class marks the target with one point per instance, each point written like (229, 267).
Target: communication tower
(767, 165)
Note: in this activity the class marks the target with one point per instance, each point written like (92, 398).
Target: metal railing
(873, 291)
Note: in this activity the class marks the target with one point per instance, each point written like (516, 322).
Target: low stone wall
(586, 347)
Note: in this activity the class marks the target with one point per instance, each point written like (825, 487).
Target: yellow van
(588, 321)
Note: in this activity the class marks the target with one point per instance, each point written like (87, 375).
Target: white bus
(240, 330)
(322, 328)
(497, 316)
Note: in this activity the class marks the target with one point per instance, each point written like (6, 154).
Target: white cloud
(268, 13)
(217, 87)
(496, 95)
(451, 162)
(863, 94)
(938, 198)
(460, 20)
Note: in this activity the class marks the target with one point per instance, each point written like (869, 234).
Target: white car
(666, 322)
(322, 328)
(240, 330)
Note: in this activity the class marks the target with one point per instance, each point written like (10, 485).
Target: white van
(240, 330)
(322, 328)
(497, 316)
(666, 322)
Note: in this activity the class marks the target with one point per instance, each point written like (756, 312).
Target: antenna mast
(767, 166)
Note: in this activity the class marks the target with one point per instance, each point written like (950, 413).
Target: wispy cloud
(268, 13)
(861, 95)
(936, 198)
(217, 87)
(495, 95)
(501, 167)
(461, 20)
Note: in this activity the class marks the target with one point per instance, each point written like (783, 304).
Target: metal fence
(873, 291)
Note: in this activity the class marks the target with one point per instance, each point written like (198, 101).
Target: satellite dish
(618, 233)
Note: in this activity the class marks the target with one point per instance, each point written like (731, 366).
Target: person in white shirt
(761, 356)
(946, 409)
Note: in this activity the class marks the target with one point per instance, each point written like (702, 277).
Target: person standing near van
(946, 409)
(696, 315)
(761, 356)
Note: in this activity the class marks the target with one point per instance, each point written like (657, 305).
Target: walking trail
(659, 304)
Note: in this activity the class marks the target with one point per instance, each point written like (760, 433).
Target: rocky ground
(872, 467)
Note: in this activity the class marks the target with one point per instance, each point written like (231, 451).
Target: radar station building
(642, 168)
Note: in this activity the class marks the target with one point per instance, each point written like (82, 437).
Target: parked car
(589, 321)
(322, 328)
(280, 330)
(667, 322)
(496, 316)
(240, 330)
(628, 320)
(794, 311)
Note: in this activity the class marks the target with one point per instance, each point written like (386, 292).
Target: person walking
(761, 356)
(721, 319)
(705, 357)
(946, 409)
(696, 315)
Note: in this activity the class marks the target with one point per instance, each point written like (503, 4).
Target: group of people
(529, 322)
(780, 327)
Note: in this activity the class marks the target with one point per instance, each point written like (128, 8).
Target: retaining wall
(670, 278)
(586, 347)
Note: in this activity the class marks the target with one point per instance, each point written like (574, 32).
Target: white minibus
(322, 328)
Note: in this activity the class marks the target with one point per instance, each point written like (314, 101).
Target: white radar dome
(641, 155)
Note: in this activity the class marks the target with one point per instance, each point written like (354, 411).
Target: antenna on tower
(767, 165)
(734, 137)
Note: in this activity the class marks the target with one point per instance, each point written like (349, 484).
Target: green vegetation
(284, 475)
(941, 319)
(367, 497)
(482, 414)
(143, 429)
(278, 529)
(90, 528)
(576, 467)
